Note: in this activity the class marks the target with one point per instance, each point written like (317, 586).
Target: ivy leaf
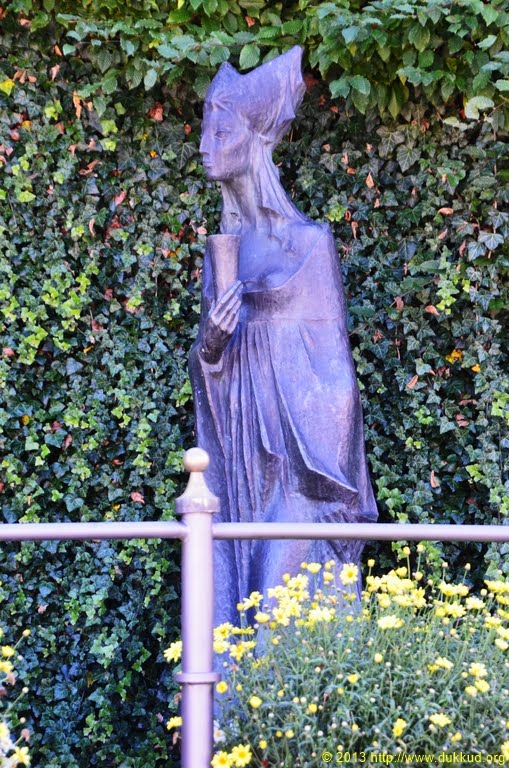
(390, 139)
(491, 240)
(473, 106)
(419, 37)
(475, 249)
(24, 196)
(150, 79)
(407, 156)
(502, 85)
(6, 86)
(249, 56)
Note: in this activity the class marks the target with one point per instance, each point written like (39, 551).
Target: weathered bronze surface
(275, 393)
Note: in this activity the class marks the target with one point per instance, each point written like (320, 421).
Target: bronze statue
(275, 393)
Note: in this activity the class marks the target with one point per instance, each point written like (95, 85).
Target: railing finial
(196, 460)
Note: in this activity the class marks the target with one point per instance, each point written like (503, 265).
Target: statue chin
(212, 173)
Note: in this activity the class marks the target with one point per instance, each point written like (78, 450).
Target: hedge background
(401, 144)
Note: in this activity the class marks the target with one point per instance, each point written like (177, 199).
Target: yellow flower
(328, 577)
(314, 567)
(440, 719)
(399, 726)
(223, 631)
(238, 687)
(456, 737)
(355, 727)
(471, 690)
(261, 617)
(6, 667)
(312, 708)
(7, 651)
(378, 658)
(255, 702)
(222, 687)
(477, 669)
(474, 604)
(482, 685)
(451, 590)
(21, 756)
(504, 750)
(440, 663)
(289, 734)
(476, 368)
(501, 644)
(262, 744)
(241, 755)
(352, 679)
(174, 652)
(349, 574)
(221, 760)
(371, 563)
(221, 646)
(253, 601)
(4, 731)
(456, 354)
(174, 722)
(390, 622)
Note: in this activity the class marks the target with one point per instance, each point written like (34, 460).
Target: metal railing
(197, 532)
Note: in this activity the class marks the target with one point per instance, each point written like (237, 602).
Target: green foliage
(421, 667)
(13, 738)
(104, 208)
(377, 55)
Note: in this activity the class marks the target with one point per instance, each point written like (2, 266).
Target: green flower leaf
(473, 106)
(150, 79)
(419, 37)
(249, 56)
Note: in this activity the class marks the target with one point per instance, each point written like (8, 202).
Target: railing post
(196, 507)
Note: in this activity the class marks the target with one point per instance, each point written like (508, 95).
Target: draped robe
(280, 416)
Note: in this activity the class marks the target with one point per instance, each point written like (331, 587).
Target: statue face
(225, 144)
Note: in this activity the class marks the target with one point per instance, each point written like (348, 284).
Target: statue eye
(222, 134)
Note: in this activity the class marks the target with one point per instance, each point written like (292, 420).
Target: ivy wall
(401, 144)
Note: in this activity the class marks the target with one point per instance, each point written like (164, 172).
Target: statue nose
(204, 146)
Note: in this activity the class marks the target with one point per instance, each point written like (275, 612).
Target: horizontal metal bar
(364, 531)
(175, 530)
(89, 531)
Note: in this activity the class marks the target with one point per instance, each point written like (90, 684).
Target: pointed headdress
(267, 97)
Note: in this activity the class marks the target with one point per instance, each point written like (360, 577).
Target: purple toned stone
(276, 398)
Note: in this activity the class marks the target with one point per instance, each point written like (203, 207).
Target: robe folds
(280, 416)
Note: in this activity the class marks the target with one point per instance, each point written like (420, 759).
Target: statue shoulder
(314, 235)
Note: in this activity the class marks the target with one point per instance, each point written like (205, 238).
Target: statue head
(246, 116)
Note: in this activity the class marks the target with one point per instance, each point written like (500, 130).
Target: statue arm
(218, 319)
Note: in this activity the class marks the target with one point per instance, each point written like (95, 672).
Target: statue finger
(234, 290)
(234, 300)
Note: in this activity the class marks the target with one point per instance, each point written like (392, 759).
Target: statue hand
(221, 323)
